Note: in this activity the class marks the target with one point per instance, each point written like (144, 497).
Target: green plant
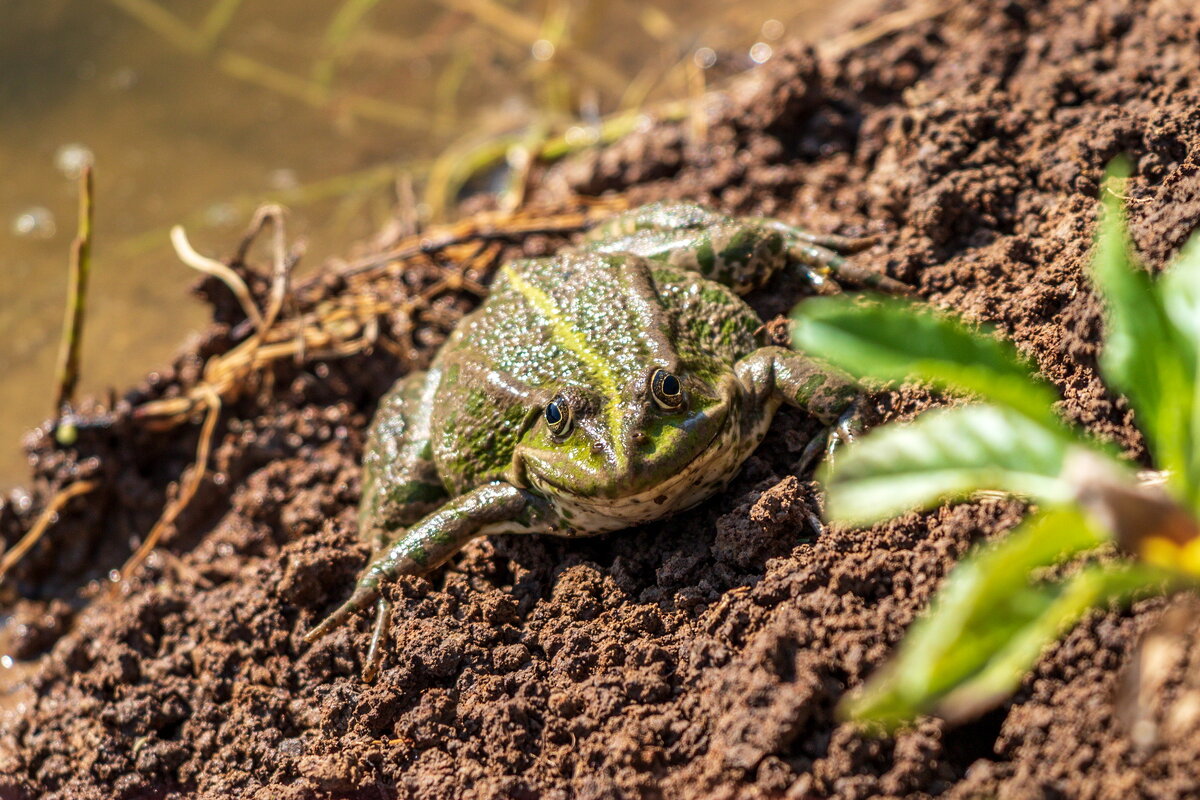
(997, 612)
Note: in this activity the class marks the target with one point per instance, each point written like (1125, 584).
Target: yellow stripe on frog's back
(566, 336)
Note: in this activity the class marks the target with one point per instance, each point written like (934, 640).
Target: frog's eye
(667, 391)
(558, 416)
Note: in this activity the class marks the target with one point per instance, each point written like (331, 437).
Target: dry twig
(13, 556)
(199, 468)
(210, 266)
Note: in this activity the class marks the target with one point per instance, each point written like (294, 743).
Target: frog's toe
(383, 621)
(845, 430)
(828, 266)
(364, 594)
(848, 428)
(831, 241)
(813, 451)
(870, 279)
(847, 244)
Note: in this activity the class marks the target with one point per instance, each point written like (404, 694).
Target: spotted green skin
(464, 449)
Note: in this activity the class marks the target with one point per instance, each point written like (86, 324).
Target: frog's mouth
(695, 480)
(678, 468)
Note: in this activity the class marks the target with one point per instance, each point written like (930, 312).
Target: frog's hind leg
(820, 258)
(400, 480)
(740, 252)
(661, 216)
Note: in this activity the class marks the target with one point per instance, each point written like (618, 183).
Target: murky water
(194, 111)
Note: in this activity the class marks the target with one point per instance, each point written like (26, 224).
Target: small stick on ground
(81, 265)
(13, 556)
(199, 468)
(483, 227)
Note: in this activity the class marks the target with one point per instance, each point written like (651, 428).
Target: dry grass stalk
(199, 468)
(210, 266)
(35, 533)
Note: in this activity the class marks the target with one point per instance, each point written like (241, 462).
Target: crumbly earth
(701, 656)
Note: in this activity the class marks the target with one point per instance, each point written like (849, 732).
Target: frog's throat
(702, 477)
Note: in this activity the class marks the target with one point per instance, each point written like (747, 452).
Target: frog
(616, 383)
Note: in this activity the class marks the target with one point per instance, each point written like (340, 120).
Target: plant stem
(81, 263)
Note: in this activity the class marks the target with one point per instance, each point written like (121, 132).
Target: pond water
(195, 111)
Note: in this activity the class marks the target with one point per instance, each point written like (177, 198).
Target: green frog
(616, 383)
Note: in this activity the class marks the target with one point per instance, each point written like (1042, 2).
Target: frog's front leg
(774, 375)
(427, 545)
(400, 481)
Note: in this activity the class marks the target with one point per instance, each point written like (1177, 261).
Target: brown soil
(702, 656)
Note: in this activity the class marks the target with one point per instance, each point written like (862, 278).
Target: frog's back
(592, 321)
(619, 308)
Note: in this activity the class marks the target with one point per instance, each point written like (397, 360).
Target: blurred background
(196, 111)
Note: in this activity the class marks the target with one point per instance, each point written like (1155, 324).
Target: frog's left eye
(666, 389)
(558, 416)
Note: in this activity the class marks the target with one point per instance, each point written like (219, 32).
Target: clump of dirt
(704, 655)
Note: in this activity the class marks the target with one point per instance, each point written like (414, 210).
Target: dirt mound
(701, 656)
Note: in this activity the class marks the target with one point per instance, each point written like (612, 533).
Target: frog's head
(630, 439)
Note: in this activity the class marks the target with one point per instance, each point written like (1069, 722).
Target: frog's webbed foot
(364, 594)
(820, 259)
(848, 428)
(423, 548)
(383, 620)
(845, 430)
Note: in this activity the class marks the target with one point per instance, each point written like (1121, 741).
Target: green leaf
(1180, 293)
(1095, 586)
(946, 454)
(990, 623)
(1146, 356)
(895, 340)
(1180, 289)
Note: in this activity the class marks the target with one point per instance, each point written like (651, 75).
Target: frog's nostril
(639, 438)
(597, 447)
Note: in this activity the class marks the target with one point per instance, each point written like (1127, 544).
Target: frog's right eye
(558, 416)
